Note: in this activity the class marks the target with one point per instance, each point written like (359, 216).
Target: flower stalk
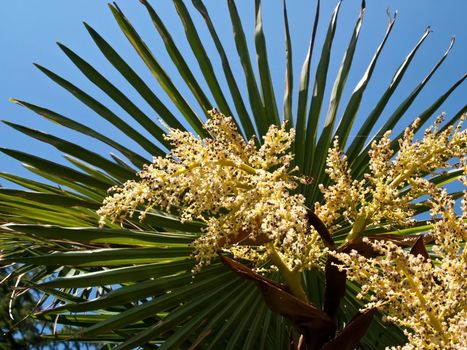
(434, 321)
(293, 278)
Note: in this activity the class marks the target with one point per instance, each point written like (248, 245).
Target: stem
(434, 321)
(245, 167)
(292, 277)
(242, 166)
(358, 226)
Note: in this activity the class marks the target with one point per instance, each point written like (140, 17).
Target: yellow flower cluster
(427, 297)
(240, 192)
(376, 198)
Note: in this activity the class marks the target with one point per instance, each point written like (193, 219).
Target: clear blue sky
(29, 30)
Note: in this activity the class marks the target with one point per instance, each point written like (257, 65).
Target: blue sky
(29, 30)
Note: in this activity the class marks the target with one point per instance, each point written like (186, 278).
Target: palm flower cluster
(426, 296)
(242, 194)
(131, 286)
(376, 198)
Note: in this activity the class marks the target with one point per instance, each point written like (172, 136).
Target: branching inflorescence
(245, 196)
(241, 193)
(376, 199)
(427, 296)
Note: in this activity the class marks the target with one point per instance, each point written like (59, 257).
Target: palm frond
(132, 285)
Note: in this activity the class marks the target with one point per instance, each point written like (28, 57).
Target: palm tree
(131, 285)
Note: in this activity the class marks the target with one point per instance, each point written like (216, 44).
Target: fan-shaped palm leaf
(132, 285)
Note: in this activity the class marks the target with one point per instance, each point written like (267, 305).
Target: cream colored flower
(376, 198)
(239, 192)
(427, 297)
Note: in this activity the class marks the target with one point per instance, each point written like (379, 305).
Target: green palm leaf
(132, 285)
